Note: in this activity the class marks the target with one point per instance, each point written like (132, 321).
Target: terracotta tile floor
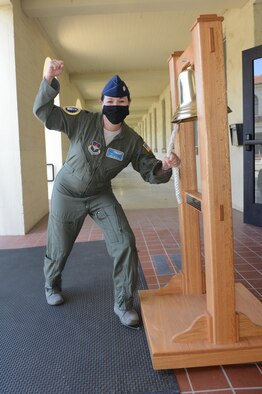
(157, 234)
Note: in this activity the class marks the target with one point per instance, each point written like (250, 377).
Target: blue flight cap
(116, 88)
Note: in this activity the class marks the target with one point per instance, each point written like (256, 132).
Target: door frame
(252, 210)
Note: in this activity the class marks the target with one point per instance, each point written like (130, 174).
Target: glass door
(252, 128)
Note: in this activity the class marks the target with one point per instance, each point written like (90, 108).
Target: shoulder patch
(147, 147)
(70, 110)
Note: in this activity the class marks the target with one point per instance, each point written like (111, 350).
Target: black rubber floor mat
(79, 347)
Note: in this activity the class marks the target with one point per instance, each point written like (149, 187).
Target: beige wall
(165, 95)
(258, 22)
(239, 33)
(31, 50)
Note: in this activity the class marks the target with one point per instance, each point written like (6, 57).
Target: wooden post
(215, 175)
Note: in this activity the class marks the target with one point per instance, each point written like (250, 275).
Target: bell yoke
(83, 187)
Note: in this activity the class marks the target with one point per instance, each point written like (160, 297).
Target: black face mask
(115, 113)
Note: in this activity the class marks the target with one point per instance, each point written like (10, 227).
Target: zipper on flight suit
(94, 171)
(98, 161)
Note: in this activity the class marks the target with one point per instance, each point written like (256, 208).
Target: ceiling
(132, 38)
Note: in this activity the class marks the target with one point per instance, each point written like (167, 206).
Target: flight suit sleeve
(52, 116)
(147, 165)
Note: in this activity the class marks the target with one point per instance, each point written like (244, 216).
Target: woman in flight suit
(101, 145)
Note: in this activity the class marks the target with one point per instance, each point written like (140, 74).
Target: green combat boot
(128, 317)
(53, 297)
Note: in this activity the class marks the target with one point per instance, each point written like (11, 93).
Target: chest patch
(94, 148)
(70, 110)
(115, 154)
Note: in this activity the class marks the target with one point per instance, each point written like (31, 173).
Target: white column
(11, 198)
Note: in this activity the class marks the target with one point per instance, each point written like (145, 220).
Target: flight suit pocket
(108, 220)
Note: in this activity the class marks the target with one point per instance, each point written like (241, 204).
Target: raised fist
(54, 69)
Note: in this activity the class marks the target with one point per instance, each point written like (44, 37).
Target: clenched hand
(54, 69)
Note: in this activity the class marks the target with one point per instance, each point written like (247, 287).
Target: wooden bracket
(198, 331)
(174, 286)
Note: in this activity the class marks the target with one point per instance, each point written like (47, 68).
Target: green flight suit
(83, 187)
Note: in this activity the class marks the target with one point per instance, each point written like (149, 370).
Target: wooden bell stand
(202, 319)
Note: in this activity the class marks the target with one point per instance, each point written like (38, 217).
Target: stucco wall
(31, 50)
(258, 22)
(165, 95)
(239, 33)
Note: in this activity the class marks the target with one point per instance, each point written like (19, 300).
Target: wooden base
(179, 332)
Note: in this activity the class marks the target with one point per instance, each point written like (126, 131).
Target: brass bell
(187, 109)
